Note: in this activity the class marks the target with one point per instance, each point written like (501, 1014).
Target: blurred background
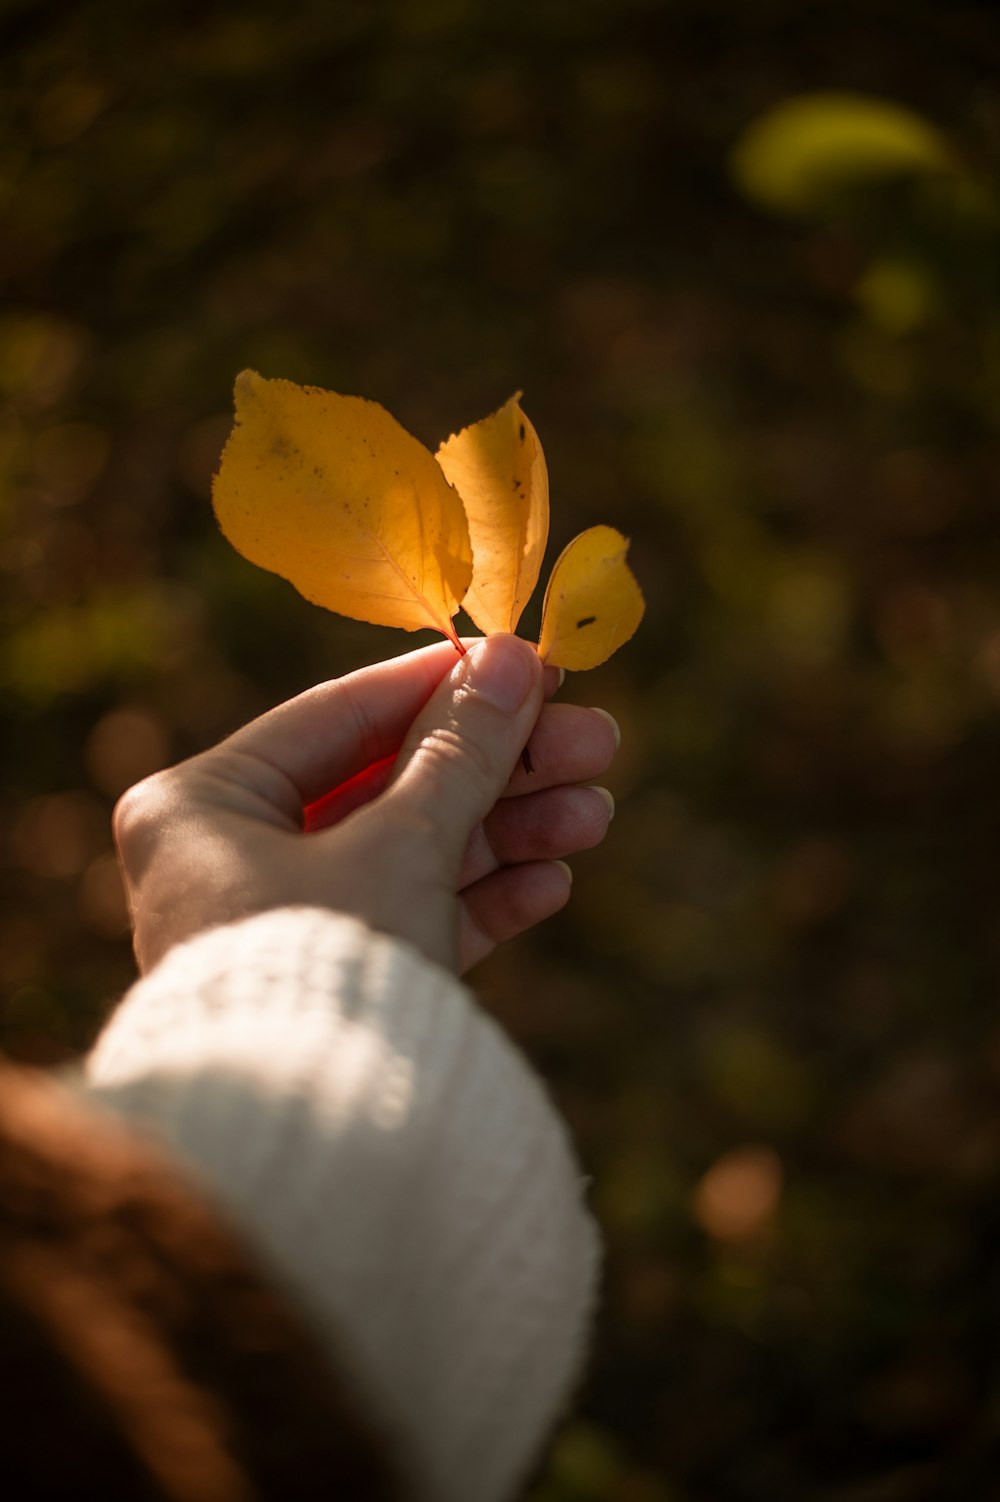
(743, 261)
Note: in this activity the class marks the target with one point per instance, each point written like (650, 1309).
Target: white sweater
(395, 1161)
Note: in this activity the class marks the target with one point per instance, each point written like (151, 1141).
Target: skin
(434, 832)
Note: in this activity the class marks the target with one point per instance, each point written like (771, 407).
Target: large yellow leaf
(332, 494)
(592, 604)
(498, 468)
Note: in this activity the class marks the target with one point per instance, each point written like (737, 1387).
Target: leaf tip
(247, 387)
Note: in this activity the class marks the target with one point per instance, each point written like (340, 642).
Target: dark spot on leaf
(517, 484)
(588, 620)
(521, 432)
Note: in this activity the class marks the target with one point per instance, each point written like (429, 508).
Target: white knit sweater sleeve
(394, 1159)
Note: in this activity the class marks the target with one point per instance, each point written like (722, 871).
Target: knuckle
(453, 756)
(130, 812)
(225, 772)
(352, 704)
(139, 810)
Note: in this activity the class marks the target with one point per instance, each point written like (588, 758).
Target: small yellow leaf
(592, 604)
(334, 495)
(498, 468)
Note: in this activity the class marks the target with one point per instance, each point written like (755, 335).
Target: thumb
(463, 746)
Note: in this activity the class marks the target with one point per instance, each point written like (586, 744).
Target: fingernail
(608, 798)
(502, 671)
(566, 868)
(614, 725)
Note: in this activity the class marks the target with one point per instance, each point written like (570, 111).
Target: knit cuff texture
(393, 1158)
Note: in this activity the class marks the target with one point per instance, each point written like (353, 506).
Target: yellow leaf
(498, 468)
(592, 604)
(334, 495)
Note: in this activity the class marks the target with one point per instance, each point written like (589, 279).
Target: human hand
(452, 845)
